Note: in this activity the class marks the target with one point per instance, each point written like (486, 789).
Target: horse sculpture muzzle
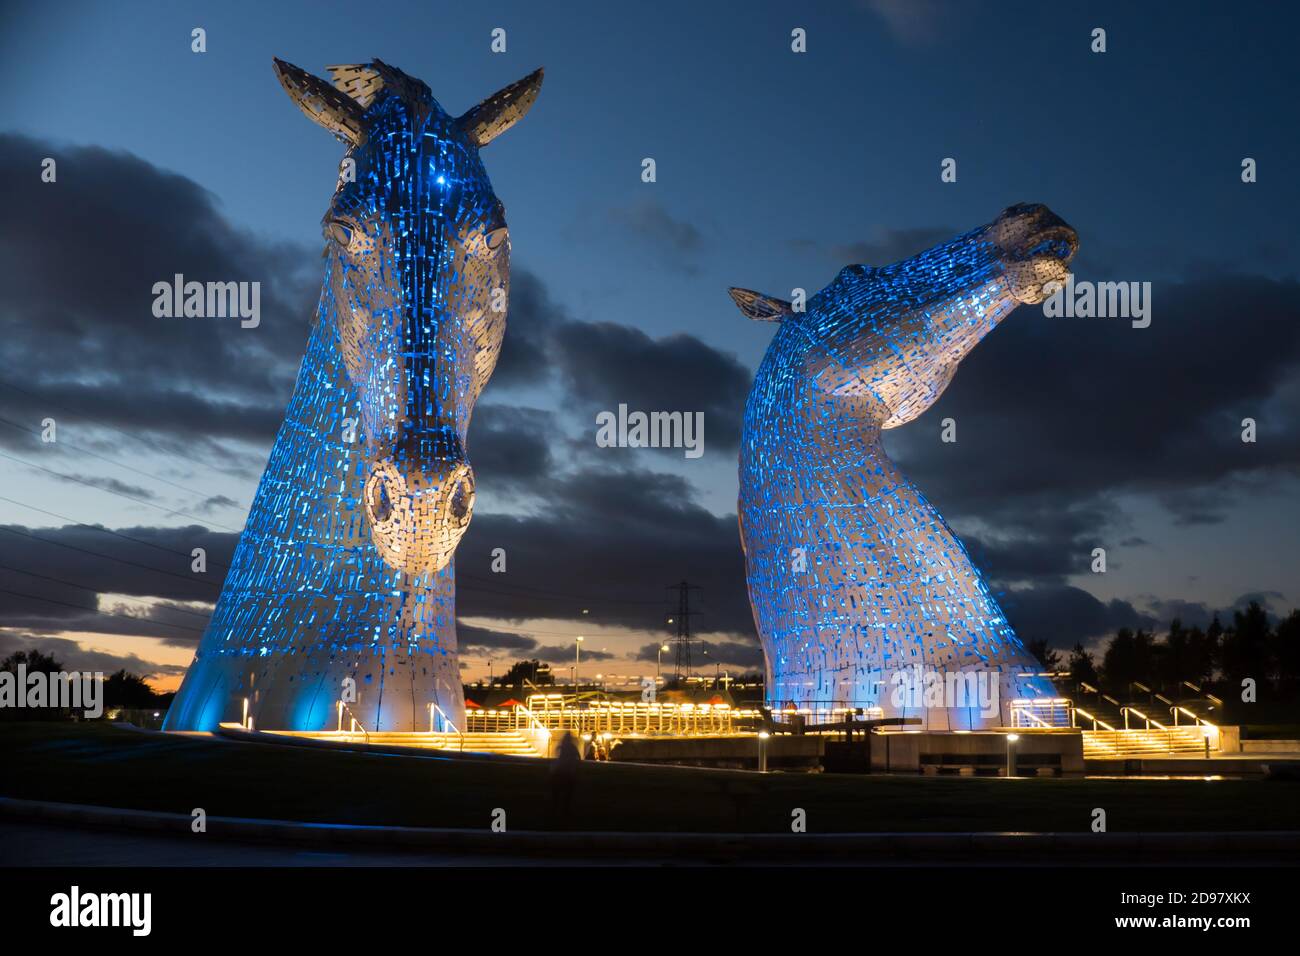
(419, 508)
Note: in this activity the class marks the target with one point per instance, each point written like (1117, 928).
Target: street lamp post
(1011, 754)
(659, 661)
(762, 750)
(577, 660)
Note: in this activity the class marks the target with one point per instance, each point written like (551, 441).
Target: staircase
(509, 742)
(1145, 743)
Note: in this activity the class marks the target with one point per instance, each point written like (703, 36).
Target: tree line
(1218, 657)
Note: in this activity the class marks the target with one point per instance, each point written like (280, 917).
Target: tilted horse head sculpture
(854, 577)
(417, 283)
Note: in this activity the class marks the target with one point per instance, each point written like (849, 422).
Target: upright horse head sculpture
(858, 586)
(419, 267)
(342, 592)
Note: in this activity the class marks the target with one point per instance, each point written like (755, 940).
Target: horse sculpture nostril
(380, 506)
(461, 503)
(1058, 243)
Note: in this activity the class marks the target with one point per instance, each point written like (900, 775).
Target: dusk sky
(775, 169)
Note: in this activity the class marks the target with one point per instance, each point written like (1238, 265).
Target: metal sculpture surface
(344, 569)
(854, 577)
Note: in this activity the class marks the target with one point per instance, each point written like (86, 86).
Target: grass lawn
(100, 764)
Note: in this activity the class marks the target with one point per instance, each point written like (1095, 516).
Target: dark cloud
(610, 541)
(1064, 615)
(1190, 613)
(1066, 408)
(890, 246)
(1271, 601)
(916, 23)
(215, 502)
(511, 446)
(600, 366)
(704, 654)
(133, 561)
(78, 284)
(1045, 544)
(471, 637)
(605, 365)
(72, 579)
(109, 484)
(75, 658)
(885, 248)
(563, 654)
(525, 358)
(676, 242)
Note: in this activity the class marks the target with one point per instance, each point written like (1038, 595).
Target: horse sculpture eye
(340, 232)
(496, 238)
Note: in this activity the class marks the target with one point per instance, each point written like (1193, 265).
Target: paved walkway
(39, 844)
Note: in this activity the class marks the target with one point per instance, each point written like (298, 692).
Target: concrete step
(512, 743)
(1137, 743)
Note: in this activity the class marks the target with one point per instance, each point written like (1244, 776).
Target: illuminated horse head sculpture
(340, 601)
(862, 595)
(419, 265)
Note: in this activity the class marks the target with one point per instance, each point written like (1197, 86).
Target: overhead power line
(120, 494)
(109, 557)
(112, 461)
(102, 530)
(95, 610)
(102, 424)
(83, 587)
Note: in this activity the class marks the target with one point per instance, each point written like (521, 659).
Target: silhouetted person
(564, 771)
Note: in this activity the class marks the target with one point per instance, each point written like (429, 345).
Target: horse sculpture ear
(501, 110)
(360, 81)
(759, 307)
(323, 104)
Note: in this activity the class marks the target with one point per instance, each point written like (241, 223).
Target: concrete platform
(731, 751)
(978, 752)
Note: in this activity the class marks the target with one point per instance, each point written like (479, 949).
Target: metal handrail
(1024, 712)
(534, 723)
(433, 705)
(1152, 695)
(1095, 720)
(1176, 709)
(1149, 721)
(1100, 694)
(355, 722)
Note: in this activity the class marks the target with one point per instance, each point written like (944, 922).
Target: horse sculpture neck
(855, 579)
(308, 600)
